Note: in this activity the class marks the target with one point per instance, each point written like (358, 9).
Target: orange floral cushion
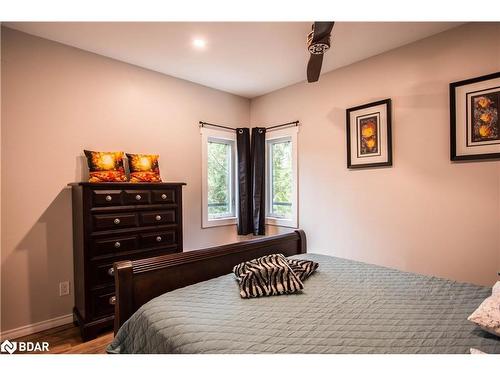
(105, 166)
(144, 168)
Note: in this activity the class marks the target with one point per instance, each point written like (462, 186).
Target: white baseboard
(36, 327)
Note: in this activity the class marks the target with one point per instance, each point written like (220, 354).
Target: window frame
(273, 137)
(228, 138)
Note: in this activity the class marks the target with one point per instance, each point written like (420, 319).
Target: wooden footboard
(139, 281)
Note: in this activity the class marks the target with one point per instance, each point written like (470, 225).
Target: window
(281, 180)
(219, 178)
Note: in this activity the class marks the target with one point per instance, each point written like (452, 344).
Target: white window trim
(292, 133)
(207, 134)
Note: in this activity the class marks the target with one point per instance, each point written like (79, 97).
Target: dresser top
(126, 184)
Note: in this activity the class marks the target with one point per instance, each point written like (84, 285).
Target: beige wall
(425, 214)
(58, 100)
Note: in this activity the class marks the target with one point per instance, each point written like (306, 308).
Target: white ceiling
(245, 58)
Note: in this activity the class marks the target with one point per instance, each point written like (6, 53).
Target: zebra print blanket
(272, 275)
(269, 275)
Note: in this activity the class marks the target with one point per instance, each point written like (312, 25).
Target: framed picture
(369, 141)
(474, 122)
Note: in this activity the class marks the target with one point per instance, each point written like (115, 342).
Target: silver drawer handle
(116, 221)
(112, 300)
(138, 197)
(117, 244)
(164, 196)
(111, 271)
(158, 239)
(109, 198)
(158, 217)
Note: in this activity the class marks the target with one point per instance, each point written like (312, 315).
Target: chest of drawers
(113, 222)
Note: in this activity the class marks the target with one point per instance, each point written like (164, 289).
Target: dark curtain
(245, 212)
(258, 170)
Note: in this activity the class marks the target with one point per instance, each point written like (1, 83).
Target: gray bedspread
(346, 307)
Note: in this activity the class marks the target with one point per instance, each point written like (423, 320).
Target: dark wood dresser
(112, 222)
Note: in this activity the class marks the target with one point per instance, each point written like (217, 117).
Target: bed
(189, 303)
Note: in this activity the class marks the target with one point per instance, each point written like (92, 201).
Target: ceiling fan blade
(314, 67)
(322, 30)
(318, 42)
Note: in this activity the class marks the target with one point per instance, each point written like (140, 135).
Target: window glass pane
(281, 179)
(219, 179)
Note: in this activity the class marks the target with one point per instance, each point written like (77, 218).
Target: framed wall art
(369, 140)
(474, 122)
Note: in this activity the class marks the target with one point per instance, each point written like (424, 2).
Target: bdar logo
(22, 346)
(9, 347)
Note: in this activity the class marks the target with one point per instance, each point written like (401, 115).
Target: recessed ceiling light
(199, 43)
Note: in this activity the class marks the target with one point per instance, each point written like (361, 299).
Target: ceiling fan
(318, 42)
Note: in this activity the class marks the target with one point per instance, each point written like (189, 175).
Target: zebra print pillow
(302, 268)
(267, 276)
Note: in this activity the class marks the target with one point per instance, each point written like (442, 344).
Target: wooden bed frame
(139, 281)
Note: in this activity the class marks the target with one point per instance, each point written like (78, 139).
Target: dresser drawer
(113, 245)
(111, 221)
(106, 197)
(163, 196)
(158, 217)
(103, 301)
(102, 273)
(136, 197)
(158, 238)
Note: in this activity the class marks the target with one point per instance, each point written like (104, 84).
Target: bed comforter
(345, 307)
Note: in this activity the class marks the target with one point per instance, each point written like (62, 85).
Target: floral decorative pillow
(476, 351)
(105, 166)
(487, 315)
(144, 168)
(496, 289)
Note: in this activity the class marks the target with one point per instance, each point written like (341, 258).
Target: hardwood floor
(66, 340)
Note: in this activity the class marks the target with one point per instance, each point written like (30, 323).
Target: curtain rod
(202, 124)
(294, 123)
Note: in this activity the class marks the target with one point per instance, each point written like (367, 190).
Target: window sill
(219, 222)
(288, 223)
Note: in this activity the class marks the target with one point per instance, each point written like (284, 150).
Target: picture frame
(369, 135)
(475, 118)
